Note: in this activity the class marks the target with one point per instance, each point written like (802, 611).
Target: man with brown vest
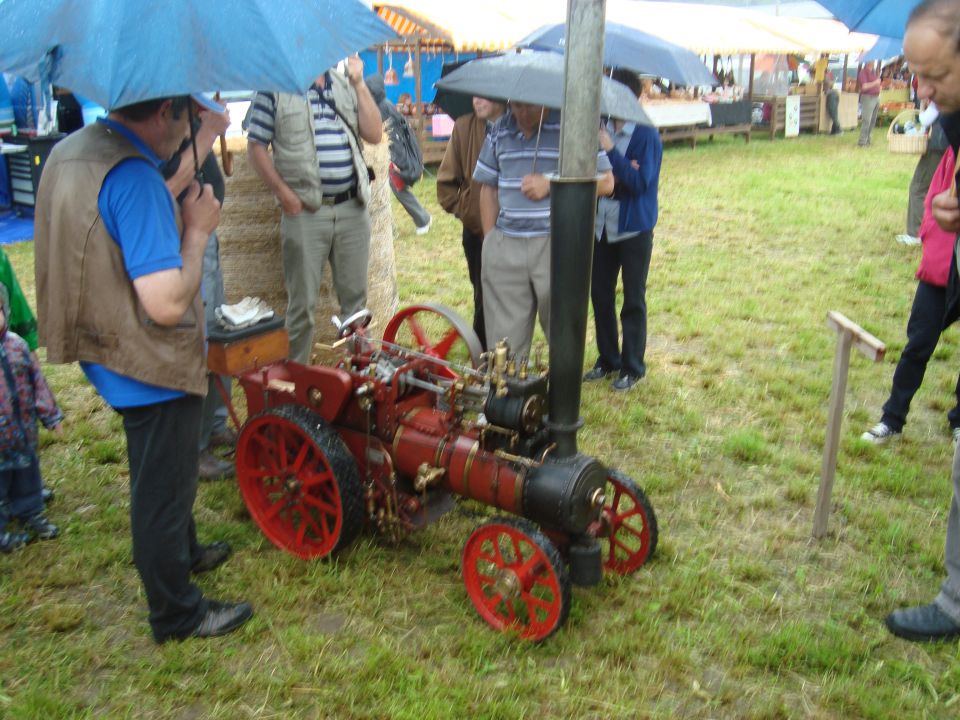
(118, 269)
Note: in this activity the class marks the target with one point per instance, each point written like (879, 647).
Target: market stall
(433, 32)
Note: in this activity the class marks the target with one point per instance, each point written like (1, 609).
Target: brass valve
(427, 476)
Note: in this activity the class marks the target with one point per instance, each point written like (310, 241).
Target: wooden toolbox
(237, 352)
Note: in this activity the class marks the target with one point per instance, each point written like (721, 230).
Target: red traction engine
(386, 437)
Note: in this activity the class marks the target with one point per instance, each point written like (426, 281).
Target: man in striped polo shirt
(522, 148)
(320, 179)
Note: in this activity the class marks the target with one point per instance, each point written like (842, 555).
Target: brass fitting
(427, 476)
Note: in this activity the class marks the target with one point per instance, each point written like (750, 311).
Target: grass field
(739, 615)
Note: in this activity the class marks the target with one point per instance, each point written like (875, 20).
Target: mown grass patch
(740, 615)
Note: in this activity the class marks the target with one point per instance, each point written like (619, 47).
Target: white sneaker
(880, 434)
(956, 436)
(908, 240)
(426, 228)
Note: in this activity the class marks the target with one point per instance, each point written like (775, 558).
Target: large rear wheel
(299, 481)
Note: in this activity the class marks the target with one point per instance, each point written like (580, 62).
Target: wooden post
(849, 335)
(418, 81)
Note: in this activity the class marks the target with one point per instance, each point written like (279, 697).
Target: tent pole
(418, 83)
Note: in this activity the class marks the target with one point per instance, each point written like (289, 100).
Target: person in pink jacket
(926, 318)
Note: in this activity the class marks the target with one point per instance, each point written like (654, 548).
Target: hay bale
(249, 233)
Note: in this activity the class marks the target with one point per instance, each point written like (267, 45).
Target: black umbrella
(535, 78)
(453, 103)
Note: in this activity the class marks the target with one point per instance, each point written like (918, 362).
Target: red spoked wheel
(299, 482)
(629, 525)
(516, 578)
(437, 331)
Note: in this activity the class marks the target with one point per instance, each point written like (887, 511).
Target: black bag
(405, 150)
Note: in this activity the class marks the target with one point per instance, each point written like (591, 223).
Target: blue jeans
(20, 493)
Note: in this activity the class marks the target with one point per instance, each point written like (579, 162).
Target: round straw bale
(249, 234)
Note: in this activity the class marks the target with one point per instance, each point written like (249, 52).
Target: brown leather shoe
(212, 467)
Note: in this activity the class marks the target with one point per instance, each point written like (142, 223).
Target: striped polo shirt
(507, 156)
(334, 156)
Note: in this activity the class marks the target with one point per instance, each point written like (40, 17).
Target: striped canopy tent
(488, 27)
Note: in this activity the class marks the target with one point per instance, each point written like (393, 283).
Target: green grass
(740, 615)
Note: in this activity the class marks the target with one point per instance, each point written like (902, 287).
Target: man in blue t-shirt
(141, 345)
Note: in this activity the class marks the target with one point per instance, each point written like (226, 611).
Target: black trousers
(163, 455)
(632, 257)
(923, 333)
(473, 250)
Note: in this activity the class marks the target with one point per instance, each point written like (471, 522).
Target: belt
(339, 198)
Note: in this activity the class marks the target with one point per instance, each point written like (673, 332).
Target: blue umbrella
(884, 48)
(880, 17)
(627, 47)
(118, 53)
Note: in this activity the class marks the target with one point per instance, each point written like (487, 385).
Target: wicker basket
(906, 144)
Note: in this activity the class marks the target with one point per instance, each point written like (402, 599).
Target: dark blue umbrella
(880, 17)
(627, 47)
(884, 48)
(122, 52)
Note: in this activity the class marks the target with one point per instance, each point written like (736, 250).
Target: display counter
(678, 113)
(432, 148)
(690, 120)
(847, 110)
(809, 112)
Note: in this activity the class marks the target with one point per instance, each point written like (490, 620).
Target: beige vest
(87, 307)
(294, 148)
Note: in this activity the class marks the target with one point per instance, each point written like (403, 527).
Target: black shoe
(222, 618)
(927, 622)
(48, 496)
(625, 382)
(597, 372)
(227, 437)
(39, 527)
(212, 467)
(211, 557)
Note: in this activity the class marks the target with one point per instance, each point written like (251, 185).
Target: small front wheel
(628, 524)
(516, 579)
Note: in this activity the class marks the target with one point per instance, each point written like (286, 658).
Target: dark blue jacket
(637, 189)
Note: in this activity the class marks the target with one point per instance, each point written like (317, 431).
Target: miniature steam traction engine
(386, 437)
